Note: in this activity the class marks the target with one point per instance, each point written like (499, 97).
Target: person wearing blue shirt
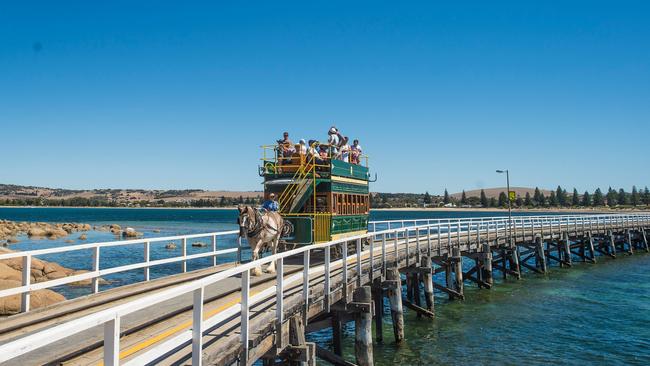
(270, 204)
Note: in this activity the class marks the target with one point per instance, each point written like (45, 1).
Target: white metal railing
(95, 274)
(432, 235)
(447, 225)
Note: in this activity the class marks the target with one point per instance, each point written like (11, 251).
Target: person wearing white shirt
(356, 152)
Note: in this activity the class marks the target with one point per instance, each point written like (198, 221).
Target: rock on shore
(11, 229)
(40, 271)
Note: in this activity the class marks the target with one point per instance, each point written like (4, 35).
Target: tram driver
(270, 204)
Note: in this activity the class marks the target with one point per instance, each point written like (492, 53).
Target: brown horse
(263, 231)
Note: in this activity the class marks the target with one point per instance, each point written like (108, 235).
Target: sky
(441, 94)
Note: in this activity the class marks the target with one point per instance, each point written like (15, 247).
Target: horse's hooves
(256, 272)
(271, 271)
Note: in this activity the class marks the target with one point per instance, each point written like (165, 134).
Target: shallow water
(588, 314)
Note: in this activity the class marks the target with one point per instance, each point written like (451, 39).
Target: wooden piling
(645, 240)
(395, 298)
(458, 269)
(415, 287)
(337, 333)
(487, 264)
(427, 279)
(378, 299)
(630, 246)
(612, 244)
(567, 249)
(592, 250)
(363, 327)
(540, 255)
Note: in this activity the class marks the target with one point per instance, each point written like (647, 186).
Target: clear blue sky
(116, 94)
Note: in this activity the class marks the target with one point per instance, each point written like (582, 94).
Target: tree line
(100, 202)
(560, 198)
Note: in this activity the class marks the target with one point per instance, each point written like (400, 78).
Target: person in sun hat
(270, 204)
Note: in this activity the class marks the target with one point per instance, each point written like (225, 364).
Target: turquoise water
(588, 314)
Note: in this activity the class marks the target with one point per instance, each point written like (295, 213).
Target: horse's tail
(287, 228)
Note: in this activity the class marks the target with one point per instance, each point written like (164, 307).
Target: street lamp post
(509, 204)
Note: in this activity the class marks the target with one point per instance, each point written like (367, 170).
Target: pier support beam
(457, 260)
(612, 244)
(592, 250)
(394, 284)
(363, 326)
(378, 298)
(567, 249)
(427, 278)
(645, 240)
(540, 257)
(487, 264)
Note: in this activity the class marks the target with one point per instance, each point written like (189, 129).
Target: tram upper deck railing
(274, 162)
(110, 318)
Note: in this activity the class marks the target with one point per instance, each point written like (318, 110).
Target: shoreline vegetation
(492, 199)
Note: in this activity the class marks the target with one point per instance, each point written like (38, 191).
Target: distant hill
(31, 195)
(494, 192)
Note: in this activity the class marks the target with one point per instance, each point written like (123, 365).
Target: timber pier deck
(222, 315)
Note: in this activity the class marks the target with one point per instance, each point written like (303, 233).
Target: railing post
(326, 284)
(344, 267)
(408, 252)
(184, 242)
(372, 257)
(26, 277)
(359, 263)
(147, 258)
(239, 249)
(214, 250)
(305, 284)
(197, 327)
(279, 301)
(112, 342)
(383, 255)
(245, 293)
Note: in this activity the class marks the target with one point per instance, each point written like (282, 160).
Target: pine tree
(612, 197)
(537, 197)
(560, 196)
(634, 198)
(427, 198)
(646, 196)
(503, 199)
(493, 202)
(463, 198)
(586, 199)
(527, 200)
(575, 200)
(598, 199)
(519, 202)
(622, 197)
(484, 200)
(542, 199)
(552, 198)
(446, 198)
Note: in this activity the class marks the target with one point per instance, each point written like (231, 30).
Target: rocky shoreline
(41, 271)
(11, 230)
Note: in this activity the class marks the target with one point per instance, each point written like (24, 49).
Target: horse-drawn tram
(321, 189)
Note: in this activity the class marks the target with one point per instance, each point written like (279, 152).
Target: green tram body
(334, 201)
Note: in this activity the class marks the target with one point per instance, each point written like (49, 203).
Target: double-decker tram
(322, 190)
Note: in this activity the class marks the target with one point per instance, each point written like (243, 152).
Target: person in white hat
(303, 147)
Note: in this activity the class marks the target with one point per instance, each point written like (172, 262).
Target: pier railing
(377, 250)
(435, 226)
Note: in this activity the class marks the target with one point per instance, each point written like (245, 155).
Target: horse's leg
(274, 249)
(257, 271)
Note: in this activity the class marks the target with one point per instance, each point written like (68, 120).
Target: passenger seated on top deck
(355, 152)
(285, 149)
(271, 204)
